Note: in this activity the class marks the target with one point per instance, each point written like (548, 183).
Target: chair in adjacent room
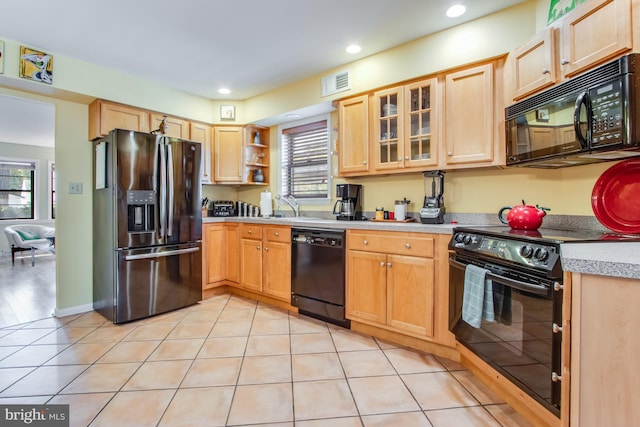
(28, 237)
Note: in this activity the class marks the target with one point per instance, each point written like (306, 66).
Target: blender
(433, 210)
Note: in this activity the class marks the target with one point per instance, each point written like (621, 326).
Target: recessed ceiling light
(354, 48)
(224, 91)
(456, 10)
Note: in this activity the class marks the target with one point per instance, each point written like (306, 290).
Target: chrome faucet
(292, 202)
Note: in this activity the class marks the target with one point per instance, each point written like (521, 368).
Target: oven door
(520, 344)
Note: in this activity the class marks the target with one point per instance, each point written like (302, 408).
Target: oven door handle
(516, 284)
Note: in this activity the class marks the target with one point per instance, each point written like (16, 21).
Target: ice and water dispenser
(140, 210)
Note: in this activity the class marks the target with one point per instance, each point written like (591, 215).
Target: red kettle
(523, 217)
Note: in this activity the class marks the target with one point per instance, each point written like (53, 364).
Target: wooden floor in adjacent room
(27, 293)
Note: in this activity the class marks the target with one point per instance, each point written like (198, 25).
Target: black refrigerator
(147, 225)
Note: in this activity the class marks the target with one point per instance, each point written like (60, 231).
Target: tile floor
(230, 361)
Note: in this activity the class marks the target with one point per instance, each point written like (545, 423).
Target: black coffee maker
(348, 207)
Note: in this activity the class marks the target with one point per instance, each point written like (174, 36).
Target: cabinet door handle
(266, 249)
(407, 245)
(555, 328)
(249, 231)
(381, 263)
(276, 234)
(564, 61)
(449, 153)
(365, 242)
(545, 71)
(258, 247)
(555, 377)
(406, 157)
(389, 264)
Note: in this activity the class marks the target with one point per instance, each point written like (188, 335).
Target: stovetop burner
(551, 235)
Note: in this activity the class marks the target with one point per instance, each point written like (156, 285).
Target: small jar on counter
(379, 214)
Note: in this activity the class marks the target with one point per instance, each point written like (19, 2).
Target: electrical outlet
(75, 188)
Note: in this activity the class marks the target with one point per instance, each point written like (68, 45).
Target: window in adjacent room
(17, 180)
(305, 160)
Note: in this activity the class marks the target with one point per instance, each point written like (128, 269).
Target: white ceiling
(249, 46)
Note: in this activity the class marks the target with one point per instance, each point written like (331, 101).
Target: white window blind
(305, 161)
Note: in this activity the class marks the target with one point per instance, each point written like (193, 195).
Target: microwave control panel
(606, 105)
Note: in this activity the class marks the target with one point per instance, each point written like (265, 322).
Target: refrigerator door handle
(170, 185)
(160, 254)
(162, 186)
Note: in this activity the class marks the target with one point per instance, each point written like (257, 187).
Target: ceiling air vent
(335, 83)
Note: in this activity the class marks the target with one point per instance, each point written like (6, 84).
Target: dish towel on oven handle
(477, 299)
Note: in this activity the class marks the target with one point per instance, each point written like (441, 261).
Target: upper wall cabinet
(353, 136)
(256, 155)
(175, 127)
(200, 132)
(105, 116)
(228, 154)
(403, 127)
(596, 31)
(471, 136)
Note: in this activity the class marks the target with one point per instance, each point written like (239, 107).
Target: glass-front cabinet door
(388, 132)
(420, 123)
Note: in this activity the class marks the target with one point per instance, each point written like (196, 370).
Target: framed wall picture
(228, 112)
(1, 57)
(36, 65)
(542, 115)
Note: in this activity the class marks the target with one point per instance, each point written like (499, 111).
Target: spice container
(379, 214)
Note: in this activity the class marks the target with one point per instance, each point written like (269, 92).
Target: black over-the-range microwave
(591, 118)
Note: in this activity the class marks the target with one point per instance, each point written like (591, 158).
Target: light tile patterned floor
(230, 361)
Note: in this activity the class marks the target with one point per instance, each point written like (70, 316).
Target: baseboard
(78, 309)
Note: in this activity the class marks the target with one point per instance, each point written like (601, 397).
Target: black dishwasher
(318, 274)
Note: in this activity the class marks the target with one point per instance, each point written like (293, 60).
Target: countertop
(606, 258)
(308, 222)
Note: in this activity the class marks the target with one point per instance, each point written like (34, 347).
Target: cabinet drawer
(248, 231)
(391, 243)
(277, 234)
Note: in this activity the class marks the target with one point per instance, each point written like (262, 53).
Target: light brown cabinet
(277, 262)
(390, 281)
(605, 379)
(200, 132)
(471, 138)
(256, 154)
(174, 126)
(227, 154)
(265, 260)
(105, 116)
(232, 234)
(353, 136)
(388, 129)
(213, 241)
(404, 120)
(594, 32)
(220, 245)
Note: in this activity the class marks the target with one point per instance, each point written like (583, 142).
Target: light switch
(75, 188)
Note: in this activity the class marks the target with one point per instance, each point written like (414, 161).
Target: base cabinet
(605, 369)
(390, 281)
(265, 260)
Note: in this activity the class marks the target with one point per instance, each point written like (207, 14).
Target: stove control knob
(526, 251)
(541, 254)
(466, 239)
(458, 237)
